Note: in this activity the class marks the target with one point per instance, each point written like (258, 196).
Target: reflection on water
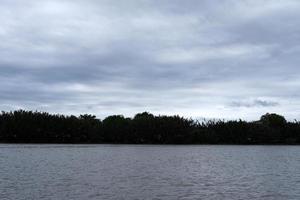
(149, 172)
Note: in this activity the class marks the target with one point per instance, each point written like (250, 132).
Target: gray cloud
(255, 103)
(192, 58)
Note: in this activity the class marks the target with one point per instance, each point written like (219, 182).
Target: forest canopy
(144, 128)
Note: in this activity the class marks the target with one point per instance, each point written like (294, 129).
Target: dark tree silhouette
(144, 128)
(273, 120)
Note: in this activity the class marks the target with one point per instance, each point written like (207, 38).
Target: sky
(196, 58)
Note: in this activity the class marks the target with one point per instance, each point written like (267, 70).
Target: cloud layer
(210, 58)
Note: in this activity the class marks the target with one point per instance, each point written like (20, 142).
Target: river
(132, 172)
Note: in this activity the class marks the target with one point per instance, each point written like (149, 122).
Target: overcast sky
(196, 58)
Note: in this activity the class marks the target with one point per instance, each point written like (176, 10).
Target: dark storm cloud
(192, 58)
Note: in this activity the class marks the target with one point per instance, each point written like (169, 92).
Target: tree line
(144, 128)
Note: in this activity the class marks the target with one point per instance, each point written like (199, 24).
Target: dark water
(149, 172)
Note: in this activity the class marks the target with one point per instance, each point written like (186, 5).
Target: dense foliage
(40, 127)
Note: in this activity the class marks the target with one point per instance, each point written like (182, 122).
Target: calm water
(149, 172)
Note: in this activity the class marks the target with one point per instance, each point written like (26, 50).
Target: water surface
(149, 172)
